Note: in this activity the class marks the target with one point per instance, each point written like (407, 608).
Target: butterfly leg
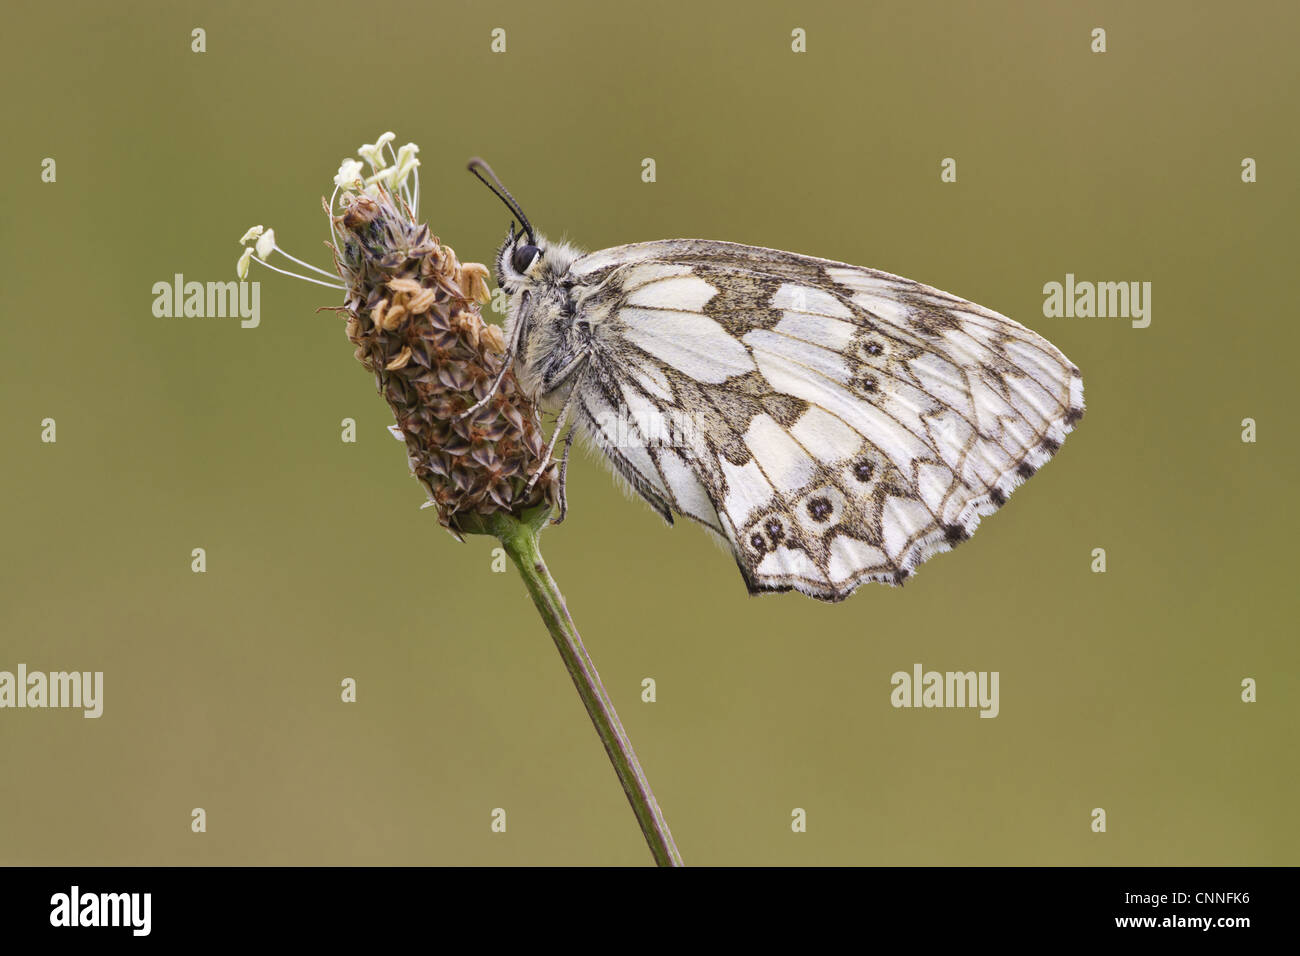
(560, 421)
(563, 503)
(507, 361)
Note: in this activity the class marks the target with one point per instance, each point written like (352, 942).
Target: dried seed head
(413, 315)
(412, 311)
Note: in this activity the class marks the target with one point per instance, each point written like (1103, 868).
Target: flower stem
(520, 541)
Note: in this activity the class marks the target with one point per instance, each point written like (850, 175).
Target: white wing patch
(689, 494)
(687, 293)
(653, 381)
(820, 387)
(787, 562)
(826, 437)
(844, 424)
(801, 298)
(904, 519)
(891, 310)
(817, 329)
(849, 557)
(785, 464)
(653, 272)
(750, 492)
(867, 280)
(692, 344)
(815, 359)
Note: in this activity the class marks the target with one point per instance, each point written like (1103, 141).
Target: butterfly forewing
(835, 424)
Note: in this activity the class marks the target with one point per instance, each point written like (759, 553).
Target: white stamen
(387, 183)
(305, 265)
(338, 244)
(373, 153)
(407, 151)
(384, 176)
(294, 275)
(349, 173)
(401, 160)
(409, 166)
(265, 244)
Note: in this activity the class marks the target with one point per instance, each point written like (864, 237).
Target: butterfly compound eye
(523, 258)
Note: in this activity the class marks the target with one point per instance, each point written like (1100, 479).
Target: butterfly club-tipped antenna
(478, 167)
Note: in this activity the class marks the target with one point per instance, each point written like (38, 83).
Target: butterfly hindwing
(834, 423)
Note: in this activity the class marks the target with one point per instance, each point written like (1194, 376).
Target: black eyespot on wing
(774, 530)
(862, 471)
(819, 509)
(954, 534)
(757, 541)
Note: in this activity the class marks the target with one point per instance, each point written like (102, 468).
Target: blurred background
(222, 689)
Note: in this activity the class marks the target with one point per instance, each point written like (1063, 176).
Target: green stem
(520, 541)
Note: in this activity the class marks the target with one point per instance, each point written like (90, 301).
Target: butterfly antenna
(478, 168)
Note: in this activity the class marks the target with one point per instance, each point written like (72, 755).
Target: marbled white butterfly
(833, 424)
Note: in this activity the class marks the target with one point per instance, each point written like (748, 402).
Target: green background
(1118, 690)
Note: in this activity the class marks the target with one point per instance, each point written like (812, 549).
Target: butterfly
(832, 424)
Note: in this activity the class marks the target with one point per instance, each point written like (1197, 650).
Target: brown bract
(413, 313)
